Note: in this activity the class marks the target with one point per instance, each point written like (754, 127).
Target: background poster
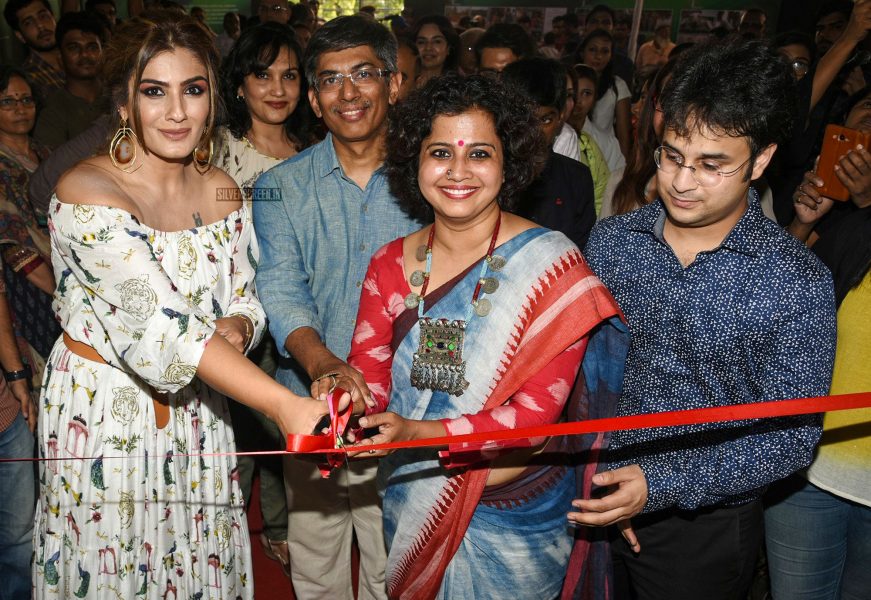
(696, 25)
(503, 14)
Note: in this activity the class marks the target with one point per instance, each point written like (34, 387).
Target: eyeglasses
(330, 82)
(705, 172)
(9, 102)
(276, 8)
(799, 67)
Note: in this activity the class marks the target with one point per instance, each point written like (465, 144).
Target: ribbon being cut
(326, 443)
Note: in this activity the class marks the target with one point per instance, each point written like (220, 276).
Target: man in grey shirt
(334, 212)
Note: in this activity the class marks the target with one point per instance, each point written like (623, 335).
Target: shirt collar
(746, 237)
(327, 161)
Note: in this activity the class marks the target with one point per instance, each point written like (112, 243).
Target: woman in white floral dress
(137, 498)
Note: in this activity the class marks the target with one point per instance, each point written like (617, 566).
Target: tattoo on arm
(198, 220)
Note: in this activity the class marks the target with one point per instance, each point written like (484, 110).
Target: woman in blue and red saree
(496, 343)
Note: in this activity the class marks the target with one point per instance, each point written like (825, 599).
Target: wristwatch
(24, 373)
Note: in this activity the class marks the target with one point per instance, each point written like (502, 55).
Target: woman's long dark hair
(451, 37)
(606, 77)
(254, 51)
(640, 168)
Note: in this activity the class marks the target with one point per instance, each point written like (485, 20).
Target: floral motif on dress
(126, 509)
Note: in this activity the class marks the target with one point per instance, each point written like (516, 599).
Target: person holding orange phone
(818, 522)
(853, 170)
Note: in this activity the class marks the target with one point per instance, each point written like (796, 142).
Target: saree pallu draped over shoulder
(447, 536)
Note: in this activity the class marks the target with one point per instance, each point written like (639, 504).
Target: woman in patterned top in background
(150, 268)
(24, 242)
(268, 121)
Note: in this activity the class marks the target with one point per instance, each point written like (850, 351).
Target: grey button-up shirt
(317, 231)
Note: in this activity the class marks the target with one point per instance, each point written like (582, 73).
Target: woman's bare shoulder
(93, 182)
(222, 195)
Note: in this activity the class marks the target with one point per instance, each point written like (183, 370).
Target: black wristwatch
(24, 373)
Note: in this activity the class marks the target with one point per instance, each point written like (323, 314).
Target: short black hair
(91, 4)
(84, 22)
(256, 49)
(571, 19)
(451, 37)
(346, 32)
(7, 72)
(605, 9)
(583, 71)
(845, 7)
(13, 6)
(737, 87)
(543, 80)
(410, 122)
(299, 13)
(800, 38)
(506, 35)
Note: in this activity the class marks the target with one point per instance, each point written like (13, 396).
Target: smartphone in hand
(837, 142)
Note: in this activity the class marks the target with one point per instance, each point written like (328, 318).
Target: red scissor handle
(308, 443)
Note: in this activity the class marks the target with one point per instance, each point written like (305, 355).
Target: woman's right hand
(298, 414)
(810, 204)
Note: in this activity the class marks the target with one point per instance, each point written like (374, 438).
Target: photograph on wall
(697, 25)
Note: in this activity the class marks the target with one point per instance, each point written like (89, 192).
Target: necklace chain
(484, 264)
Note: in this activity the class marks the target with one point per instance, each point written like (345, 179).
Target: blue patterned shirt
(750, 321)
(317, 231)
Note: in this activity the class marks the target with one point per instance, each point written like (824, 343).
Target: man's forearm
(307, 348)
(10, 357)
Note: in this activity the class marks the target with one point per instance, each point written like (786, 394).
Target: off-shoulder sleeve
(244, 256)
(142, 321)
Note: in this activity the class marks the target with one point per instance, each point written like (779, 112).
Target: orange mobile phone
(836, 143)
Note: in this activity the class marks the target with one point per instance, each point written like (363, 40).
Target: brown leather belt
(161, 408)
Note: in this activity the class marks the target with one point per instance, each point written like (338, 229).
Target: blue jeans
(17, 500)
(819, 545)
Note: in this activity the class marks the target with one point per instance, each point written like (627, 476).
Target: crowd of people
(212, 241)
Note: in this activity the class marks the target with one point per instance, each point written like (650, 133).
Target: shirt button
(362, 247)
(359, 284)
(365, 208)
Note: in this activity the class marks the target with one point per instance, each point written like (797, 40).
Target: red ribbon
(717, 414)
(326, 442)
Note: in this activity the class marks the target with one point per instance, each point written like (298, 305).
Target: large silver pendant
(412, 300)
(417, 278)
(490, 285)
(497, 262)
(482, 307)
(420, 253)
(438, 364)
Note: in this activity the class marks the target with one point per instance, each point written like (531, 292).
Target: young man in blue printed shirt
(723, 308)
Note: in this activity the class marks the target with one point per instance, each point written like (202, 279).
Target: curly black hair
(256, 49)
(410, 123)
(737, 87)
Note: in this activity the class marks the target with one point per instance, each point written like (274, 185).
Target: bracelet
(333, 376)
(24, 373)
(249, 334)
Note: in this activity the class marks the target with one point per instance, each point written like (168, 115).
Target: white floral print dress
(123, 511)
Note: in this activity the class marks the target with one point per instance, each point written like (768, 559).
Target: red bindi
(460, 143)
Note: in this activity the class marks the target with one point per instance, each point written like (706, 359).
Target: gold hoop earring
(203, 161)
(123, 148)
